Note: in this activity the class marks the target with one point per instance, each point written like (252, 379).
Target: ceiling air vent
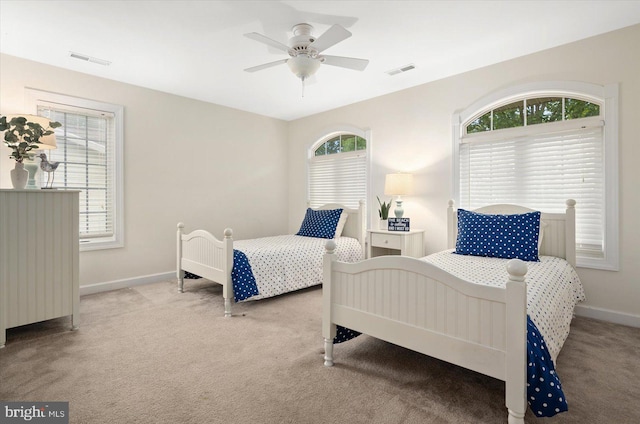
(402, 69)
(84, 57)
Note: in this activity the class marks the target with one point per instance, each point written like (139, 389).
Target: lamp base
(32, 168)
(398, 211)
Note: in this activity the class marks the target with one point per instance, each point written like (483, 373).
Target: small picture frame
(399, 224)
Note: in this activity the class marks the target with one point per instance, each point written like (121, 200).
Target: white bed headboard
(559, 229)
(354, 226)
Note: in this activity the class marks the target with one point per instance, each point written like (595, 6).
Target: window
(541, 144)
(531, 111)
(89, 153)
(340, 144)
(337, 169)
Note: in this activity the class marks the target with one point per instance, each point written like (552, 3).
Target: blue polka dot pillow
(320, 223)
(500, 236)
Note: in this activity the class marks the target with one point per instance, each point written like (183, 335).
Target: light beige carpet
(152, 355)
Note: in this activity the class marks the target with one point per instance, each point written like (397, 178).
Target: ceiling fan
(304, 51)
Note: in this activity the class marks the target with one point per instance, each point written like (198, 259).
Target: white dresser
(39, 256)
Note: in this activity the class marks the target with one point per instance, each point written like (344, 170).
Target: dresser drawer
(390, 241)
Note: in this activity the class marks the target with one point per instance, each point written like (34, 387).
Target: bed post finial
(451, 203)
(516, 269)
(228, 232)
(330, 247)
(570, 203)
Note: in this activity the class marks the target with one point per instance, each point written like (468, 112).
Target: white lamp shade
(398, 184)
(46, 142)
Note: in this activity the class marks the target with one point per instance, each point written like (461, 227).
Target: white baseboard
(129, 282)
(608, 315)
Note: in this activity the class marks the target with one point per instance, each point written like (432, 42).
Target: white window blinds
(540, 171)
(339, 178)
(86, 152)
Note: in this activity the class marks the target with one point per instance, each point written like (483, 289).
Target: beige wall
(205, 165)
(411, 131)
(229, 168)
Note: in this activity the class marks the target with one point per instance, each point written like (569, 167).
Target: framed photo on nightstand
(399, 224)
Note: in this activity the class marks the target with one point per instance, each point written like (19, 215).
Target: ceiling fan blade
(332, 36)
(346, 62)
(266, 65)
(268, 41)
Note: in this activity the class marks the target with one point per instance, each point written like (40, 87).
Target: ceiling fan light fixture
(304, 51)
(303, 66)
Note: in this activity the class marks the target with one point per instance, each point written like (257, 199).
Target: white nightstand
(405, 243)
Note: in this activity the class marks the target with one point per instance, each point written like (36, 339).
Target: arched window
(337, 169)
(538, 145)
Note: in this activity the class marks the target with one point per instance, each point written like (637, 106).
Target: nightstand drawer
(390, 241)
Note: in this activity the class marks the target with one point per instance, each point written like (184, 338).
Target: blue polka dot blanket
(285, 263)
(544, 392)
(244, 283)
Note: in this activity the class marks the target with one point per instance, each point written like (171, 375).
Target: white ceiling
(197, 48)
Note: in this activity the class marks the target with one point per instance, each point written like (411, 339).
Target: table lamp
(399, 185)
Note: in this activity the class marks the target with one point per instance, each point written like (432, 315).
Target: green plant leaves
(22, 136)
(383, 212)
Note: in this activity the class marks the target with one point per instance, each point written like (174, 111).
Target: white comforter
(553, 289)
(281, 264)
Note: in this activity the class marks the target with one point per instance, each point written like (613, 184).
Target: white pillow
(341, 222)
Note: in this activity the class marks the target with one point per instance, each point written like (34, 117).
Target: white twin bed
(279, 264)
(467, 310)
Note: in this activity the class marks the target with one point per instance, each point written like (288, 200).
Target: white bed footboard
(416, 305)
(200, 253)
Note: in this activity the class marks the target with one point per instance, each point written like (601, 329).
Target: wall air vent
(86, 58)
(402, 69)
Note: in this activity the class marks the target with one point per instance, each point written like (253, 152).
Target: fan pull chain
(302, 86)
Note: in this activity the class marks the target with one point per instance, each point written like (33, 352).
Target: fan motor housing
(302, 38)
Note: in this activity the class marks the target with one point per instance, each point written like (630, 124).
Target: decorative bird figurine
(49, 168)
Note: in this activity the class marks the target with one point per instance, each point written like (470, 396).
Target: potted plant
(23, 135)
(383, 212)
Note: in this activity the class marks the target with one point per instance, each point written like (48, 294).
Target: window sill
(87, 244)
(597, 263)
